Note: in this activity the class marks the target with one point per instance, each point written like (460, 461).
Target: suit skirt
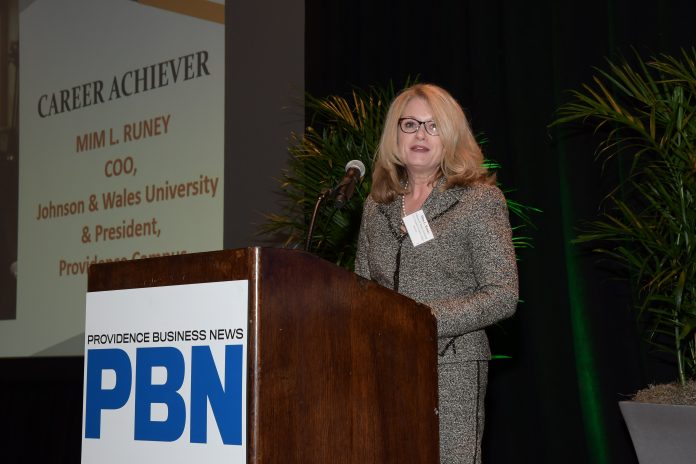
(462, 392)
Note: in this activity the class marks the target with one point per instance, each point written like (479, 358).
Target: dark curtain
(573, 343)
(41, 410)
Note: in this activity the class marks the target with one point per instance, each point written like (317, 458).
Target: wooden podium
(340, 369)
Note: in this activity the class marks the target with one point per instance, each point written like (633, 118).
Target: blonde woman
(435, 228)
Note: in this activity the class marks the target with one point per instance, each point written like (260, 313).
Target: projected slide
(121, 150)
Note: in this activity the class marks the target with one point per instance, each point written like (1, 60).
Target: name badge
(418, 228)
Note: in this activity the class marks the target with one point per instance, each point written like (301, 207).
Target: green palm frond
(646, 113)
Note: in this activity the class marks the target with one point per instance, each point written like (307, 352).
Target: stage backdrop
(121, 150)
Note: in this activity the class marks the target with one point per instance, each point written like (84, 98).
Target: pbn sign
(206, 387)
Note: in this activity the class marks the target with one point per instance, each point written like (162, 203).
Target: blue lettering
(226, 403)
(146, 394)
(97, 398)
(207, 388)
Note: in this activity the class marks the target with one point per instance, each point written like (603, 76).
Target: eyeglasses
(410, 125)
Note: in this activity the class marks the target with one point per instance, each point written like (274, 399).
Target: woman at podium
(436, 229)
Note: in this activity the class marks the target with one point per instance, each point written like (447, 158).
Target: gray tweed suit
(467, 275)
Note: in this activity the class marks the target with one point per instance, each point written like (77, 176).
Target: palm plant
(341, 129)
(646, 117)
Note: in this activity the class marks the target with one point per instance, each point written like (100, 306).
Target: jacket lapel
(439, 201)
(392, 211)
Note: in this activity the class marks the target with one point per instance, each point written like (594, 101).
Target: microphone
(355, 170)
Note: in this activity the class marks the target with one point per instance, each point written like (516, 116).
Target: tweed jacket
(467, 274)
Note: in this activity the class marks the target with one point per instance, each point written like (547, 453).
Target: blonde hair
(462, 160)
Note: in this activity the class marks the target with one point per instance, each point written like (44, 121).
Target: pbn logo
(206, 386)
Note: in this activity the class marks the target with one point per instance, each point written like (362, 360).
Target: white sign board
(165, 374)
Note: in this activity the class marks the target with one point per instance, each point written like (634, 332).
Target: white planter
(661, 433)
